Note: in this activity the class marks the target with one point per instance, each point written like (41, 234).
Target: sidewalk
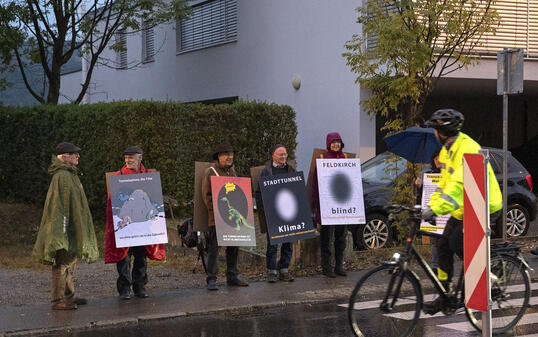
(163, 304)
(167, 304)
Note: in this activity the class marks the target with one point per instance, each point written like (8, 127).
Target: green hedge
(172, 135)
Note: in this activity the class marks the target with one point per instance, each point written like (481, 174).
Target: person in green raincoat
(66, 231)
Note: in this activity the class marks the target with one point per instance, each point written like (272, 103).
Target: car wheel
(517, 220)
(376, 233)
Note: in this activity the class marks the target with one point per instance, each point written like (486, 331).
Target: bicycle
(401, 292)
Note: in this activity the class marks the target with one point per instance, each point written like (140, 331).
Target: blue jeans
(286, 250)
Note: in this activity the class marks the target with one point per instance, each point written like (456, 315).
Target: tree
(49, 32)
(416, 42)
(405, 47)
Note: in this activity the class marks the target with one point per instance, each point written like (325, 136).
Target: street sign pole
(486, 315)
(509, 81)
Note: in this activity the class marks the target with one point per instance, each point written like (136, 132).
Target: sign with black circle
(232, 207)
(340, 191)
(286, 208)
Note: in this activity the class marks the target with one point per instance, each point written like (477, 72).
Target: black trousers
(137, 277)
(449, 244)
(340, 232)
(213, 254)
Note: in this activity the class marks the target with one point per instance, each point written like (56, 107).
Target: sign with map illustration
(340, 191)
(232, 205)
(286, 207)
(137, 209)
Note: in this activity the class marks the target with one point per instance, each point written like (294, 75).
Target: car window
(496, 165)
(383, 168)
(513, 164)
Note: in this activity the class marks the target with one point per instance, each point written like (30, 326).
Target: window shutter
(148, 43)
(211, 23)
(121, 56)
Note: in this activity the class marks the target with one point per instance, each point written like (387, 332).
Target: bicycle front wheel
(385, 302)
(510, 293)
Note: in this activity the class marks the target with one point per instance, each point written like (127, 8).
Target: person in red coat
(137, 275)
(334, 149)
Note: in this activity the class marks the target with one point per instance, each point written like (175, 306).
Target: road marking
(465, 326)
(430, 297)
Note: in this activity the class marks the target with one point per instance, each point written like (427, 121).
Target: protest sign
(340, 191)
(232, 207)
(137, 209)
(287, 211)
(429, 184)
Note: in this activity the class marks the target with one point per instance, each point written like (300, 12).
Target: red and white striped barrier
(475, 224)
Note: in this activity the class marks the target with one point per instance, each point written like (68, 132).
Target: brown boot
(64, 306)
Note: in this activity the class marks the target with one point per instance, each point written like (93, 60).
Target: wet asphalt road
(297, 321)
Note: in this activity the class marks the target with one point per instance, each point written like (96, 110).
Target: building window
(210, 23)
(121, 55)
(148, 42)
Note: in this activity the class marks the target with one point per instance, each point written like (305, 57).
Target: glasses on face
(283, 155)
(73, 154)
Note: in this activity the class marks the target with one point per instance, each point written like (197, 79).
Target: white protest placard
(429, 184)
(340, 191)
(138, 209)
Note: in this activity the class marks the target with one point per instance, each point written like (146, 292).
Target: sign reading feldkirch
(286, 208)
(340, 191)
(232, 207)
(429, 185)
(137, 209)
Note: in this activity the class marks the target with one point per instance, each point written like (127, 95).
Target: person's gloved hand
(427, 214)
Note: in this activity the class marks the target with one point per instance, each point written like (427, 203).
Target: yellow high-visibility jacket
(448, 197)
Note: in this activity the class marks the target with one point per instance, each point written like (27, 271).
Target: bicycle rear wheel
(510, 293)
(369, 315)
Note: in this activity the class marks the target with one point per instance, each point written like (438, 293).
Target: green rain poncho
(66, 222)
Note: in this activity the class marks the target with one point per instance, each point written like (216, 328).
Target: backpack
(189, 237)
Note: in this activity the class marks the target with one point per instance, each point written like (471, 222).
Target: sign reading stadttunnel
(286, 208)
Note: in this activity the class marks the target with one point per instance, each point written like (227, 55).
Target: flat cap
(132, 150)
(66, 147)
(220, 148)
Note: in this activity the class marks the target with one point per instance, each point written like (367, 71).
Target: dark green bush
(172, 135)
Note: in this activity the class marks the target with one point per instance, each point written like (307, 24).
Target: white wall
(276, 39)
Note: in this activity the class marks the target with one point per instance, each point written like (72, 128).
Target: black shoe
(329, 273)
(433, 307)
(534, 251)
(285, 276)
(340, 271)
(141, 294)
(236, 282)
(125, 296)
(212, 285)
(80, 301)
(272, 277)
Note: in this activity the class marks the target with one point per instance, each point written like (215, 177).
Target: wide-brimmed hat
(220, 148)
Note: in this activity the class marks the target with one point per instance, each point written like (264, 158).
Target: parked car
(377, 184)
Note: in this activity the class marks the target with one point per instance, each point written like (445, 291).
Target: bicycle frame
(402, 260)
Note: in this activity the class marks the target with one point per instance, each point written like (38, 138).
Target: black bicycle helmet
(447, 122)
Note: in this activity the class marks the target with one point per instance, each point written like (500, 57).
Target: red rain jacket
(113, 254)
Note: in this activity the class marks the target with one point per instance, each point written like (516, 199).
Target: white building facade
(259, 50)
(253, 50)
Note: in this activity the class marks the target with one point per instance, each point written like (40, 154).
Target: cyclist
(448, 197)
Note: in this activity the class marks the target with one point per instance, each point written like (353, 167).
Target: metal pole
(505, 141)
(486, 315)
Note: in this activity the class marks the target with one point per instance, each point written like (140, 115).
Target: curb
(148, 319)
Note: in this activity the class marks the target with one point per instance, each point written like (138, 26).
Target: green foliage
(172, 135)
(48, 33)
(416, 42)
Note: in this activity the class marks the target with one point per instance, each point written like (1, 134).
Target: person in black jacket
(277, 165)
